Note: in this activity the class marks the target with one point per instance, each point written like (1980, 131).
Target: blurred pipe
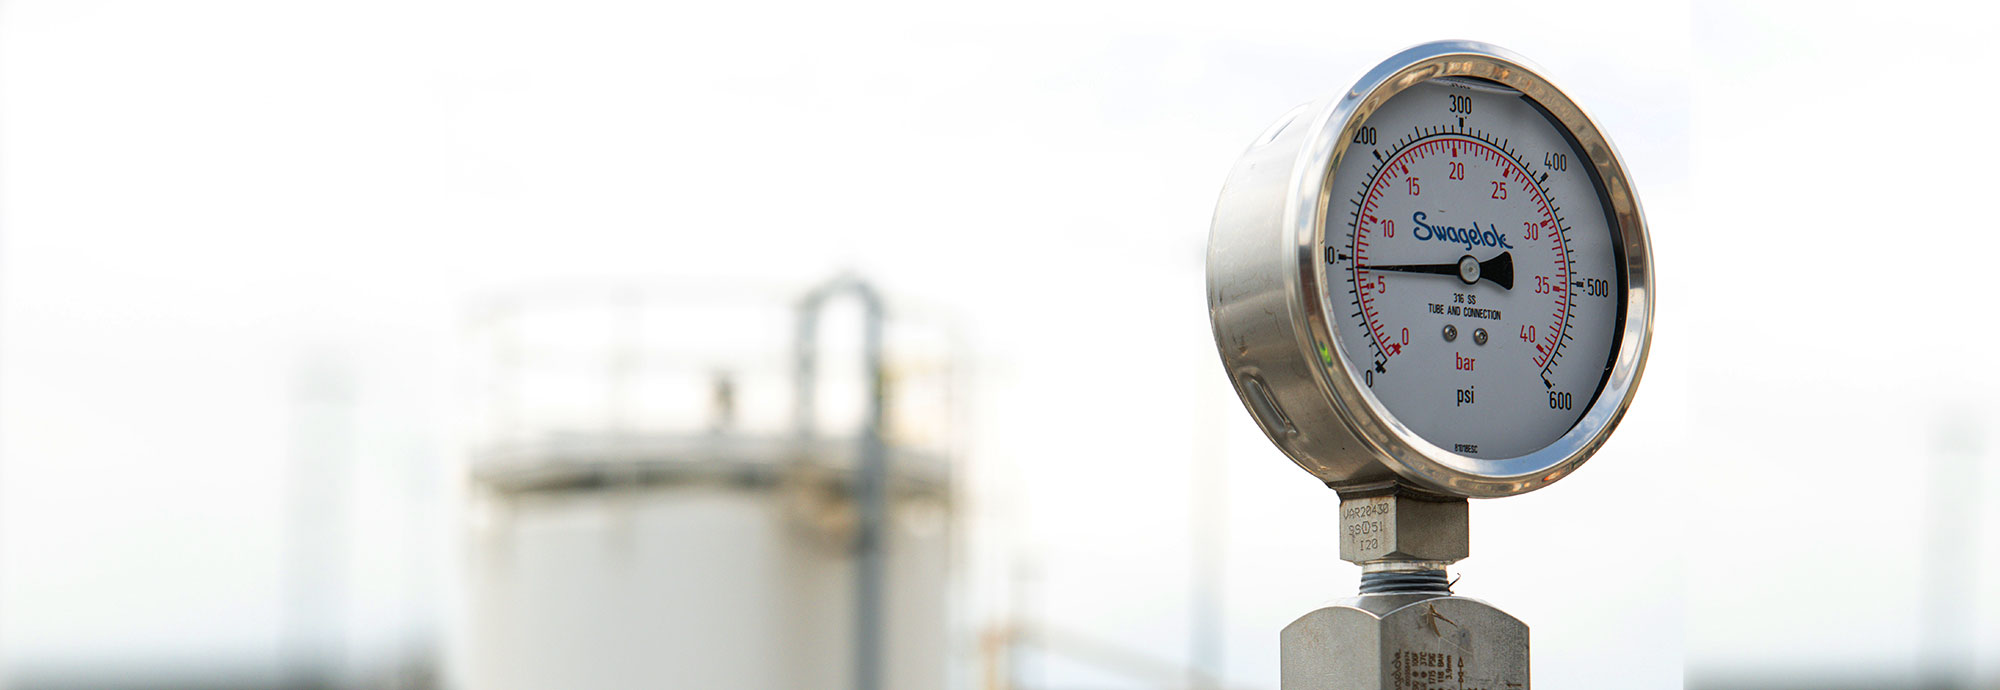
(313, 647)
(870, 478)
(1951, 557)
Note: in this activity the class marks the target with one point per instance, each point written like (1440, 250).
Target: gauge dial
(1472, 269)
(1438, 279)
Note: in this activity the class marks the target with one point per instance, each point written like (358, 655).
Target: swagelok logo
(1470, 237)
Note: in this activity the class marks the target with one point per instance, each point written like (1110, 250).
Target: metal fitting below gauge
(1399, 532)
(1398, 641)
(1439, 279)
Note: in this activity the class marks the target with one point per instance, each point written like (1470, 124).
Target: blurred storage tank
(707, 488)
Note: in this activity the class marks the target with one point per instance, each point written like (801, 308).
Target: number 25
(1499, 189)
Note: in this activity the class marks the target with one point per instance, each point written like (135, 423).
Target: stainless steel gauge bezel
(1267, 293)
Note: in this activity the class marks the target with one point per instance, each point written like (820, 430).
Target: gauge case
(1267, 294)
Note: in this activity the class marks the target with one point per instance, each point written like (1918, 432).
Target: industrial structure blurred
(708, 488)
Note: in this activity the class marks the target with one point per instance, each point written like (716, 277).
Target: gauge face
(1473, 275)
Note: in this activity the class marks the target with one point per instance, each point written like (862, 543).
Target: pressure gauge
(1439, 279)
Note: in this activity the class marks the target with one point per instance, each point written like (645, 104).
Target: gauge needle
(1499, 269)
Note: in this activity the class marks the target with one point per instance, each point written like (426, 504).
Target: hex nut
(1403, 528)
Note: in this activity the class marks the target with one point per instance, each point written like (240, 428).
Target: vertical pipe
(805, 346)
(314, 637)
(1951, 557)
(871, 472)
(872, 496)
